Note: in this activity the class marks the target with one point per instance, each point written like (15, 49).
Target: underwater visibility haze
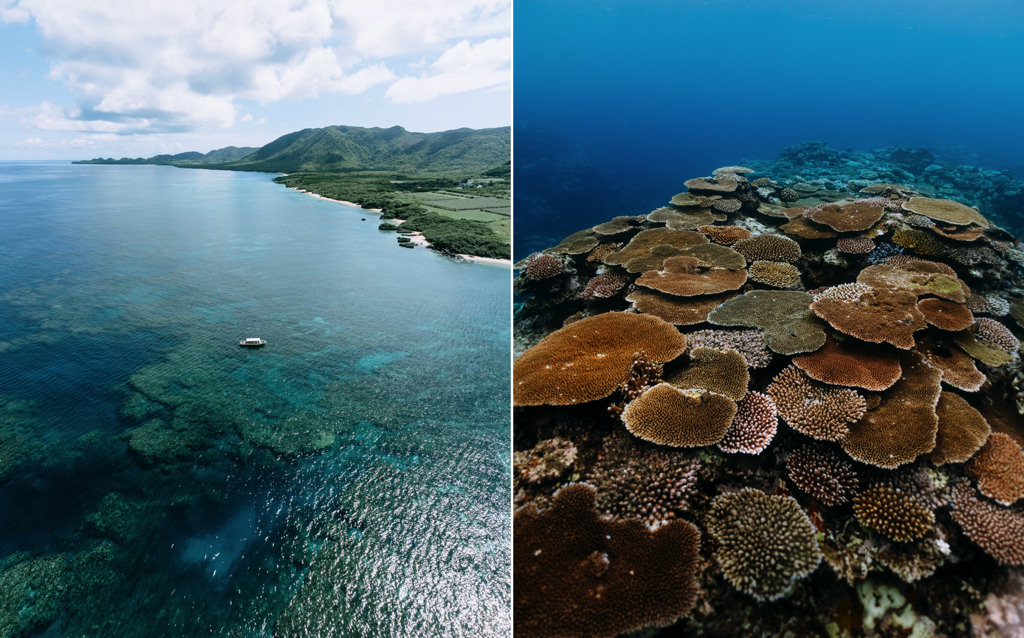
(768, 318)
(618, 102)
(349, 478)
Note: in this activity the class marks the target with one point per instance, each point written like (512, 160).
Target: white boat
(252, 342)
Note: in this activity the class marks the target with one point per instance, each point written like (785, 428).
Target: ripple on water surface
(350, 478)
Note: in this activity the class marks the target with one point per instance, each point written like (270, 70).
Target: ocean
(349, 478)
(617, 103)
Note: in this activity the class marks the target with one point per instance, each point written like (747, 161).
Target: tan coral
(945, 315)
(768, 247)
(724, 184)
(848, 216)
(851, 363)
(753, 427)
(876, 316)
(687, 199)
(813, 409)
(577, 243)
(904, 425)
(965, 235)
(981, 351)
(681, 311)
(667, 415)
(725, 234)
(645, 240)
(998, 531)
(578, 574)
(918, 277)
(945, 210)
(998, 469)
(777, 274)
(784, 315)
(715, 256)
(616, 225)
(957, 368)
(806, 229)
(893, 513)
(588, 359)
(721, 371)
(676, 218)
(682, 277)
(962, 430)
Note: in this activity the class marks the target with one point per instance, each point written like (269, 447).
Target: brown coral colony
(872, 328)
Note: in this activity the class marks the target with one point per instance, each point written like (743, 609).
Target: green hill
(346, 148)
(188, 159)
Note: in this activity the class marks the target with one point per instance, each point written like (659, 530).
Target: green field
(493, 211)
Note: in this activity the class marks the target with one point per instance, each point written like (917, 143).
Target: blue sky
(122, 78)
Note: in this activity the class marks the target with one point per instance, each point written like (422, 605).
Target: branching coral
(605, 285)
(998, 531)
(645, 373)
(765, 543)
(749, 343)
(768, 247)
(543, 266)
(893, 513)
(813, 409)
(777, 274)
(992, 332)
(635, 481)
(829, 479)
(753, 427)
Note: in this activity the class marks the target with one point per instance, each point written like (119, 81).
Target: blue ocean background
(350, 478)
(617, 103)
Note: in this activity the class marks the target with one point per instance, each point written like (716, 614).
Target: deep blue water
(618, 102)
(350, 478)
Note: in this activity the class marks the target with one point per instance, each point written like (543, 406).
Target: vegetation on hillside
(345, 148)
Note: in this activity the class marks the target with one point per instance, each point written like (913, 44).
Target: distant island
(454, 186)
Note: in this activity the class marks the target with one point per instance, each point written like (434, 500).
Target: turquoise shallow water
(155, 479)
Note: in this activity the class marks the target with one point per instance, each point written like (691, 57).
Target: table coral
(579, 575)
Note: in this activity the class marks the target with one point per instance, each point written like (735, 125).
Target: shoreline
(416, 236)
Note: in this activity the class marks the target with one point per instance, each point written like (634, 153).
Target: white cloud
(177, 65)
(463, 67)
(10, 12)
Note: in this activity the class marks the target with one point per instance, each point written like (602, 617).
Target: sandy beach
(416, 237)
(340, 201)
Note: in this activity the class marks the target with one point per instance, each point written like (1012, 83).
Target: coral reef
(765, 543)
(580, 575)
(891, 358)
